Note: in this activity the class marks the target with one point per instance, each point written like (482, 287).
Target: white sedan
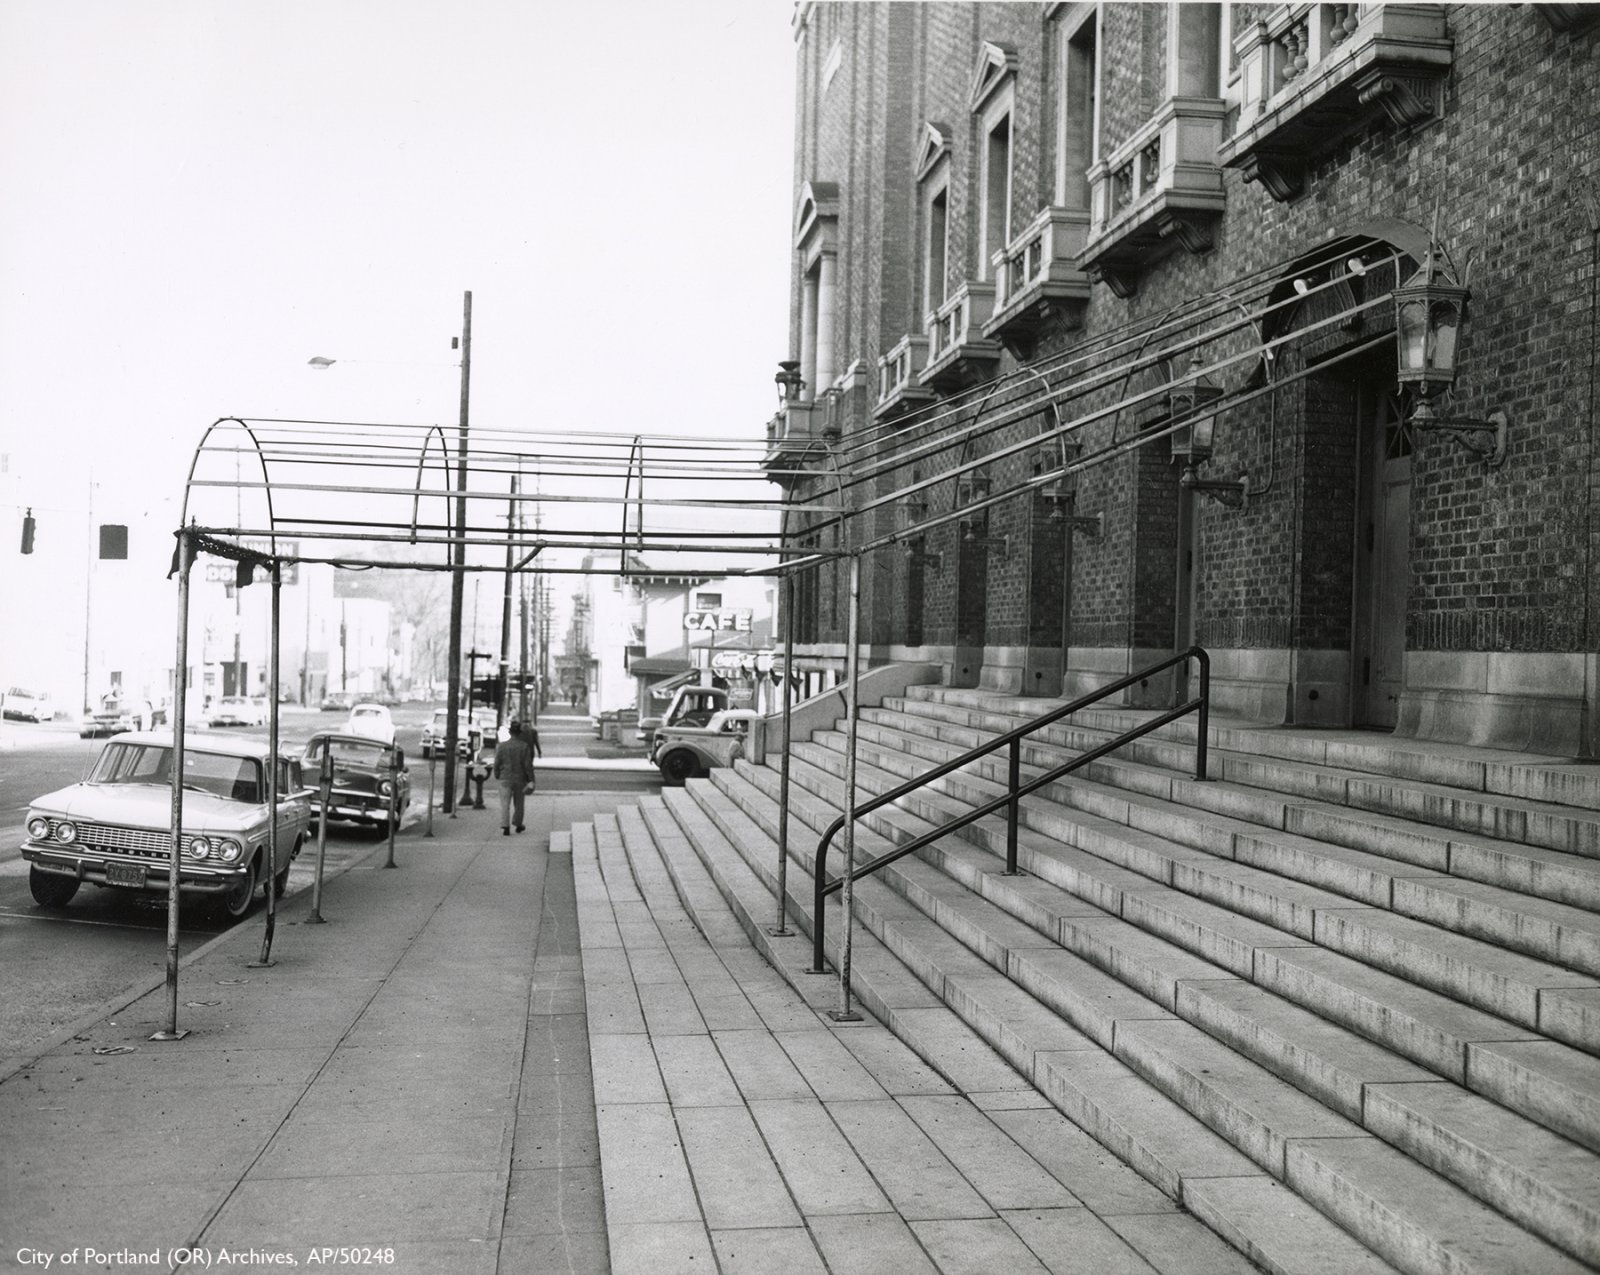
(239, 710)
(371, 721)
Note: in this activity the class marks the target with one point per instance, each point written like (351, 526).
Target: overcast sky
(199, 197)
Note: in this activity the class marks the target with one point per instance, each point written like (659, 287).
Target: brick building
(1093, 329)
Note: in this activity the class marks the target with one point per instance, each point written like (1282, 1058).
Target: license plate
(125, 874)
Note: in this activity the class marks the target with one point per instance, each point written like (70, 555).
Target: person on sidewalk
(513, 767)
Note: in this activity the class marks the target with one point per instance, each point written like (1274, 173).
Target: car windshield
(366, 712)
(235, 701)
(236, 778)
(349, 752)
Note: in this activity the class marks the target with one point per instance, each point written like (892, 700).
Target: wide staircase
(1340, 1000)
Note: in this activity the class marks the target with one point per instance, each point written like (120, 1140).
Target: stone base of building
(1021, 670)
(1527, 702)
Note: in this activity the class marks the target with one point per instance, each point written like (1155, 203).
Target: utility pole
(505, 613)
(544, 644)
(458, 560)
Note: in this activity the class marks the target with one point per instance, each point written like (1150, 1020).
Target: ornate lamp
(1429, 309)
(1187, 401)
(789, 382)
(1193, 440)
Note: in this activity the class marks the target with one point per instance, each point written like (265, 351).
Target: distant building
(1095, 305)
(650, 631)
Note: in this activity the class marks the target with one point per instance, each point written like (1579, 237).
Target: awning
(658, 666)
(665, 690)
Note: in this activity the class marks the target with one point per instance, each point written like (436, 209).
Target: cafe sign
(721, 620)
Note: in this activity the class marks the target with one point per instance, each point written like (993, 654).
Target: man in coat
(513, 767)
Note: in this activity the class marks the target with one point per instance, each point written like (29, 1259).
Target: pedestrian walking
(513, 767)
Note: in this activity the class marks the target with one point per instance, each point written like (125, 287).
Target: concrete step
(1544, 1181)
(1108, 944)
(1534, 993)
(1358, 855)
(1111, 1095)
(1469, 790)
(1070, 897)
(1557, 781)
(1169, 1147)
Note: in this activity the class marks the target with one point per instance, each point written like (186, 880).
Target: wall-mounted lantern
(1429, 309)
(1192, 442)
(1187, 401)
(789, 382)
(971, 488)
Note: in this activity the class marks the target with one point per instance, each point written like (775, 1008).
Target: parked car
(684, 752)
(433, 734)
(239, 710)
(23, 705)
(117, 714)
(337, 702)
(365, 774)
(114, 828)
(371, 721)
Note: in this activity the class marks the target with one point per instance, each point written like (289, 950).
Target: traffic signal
(113, 541)
(487, 690)
(27, 531)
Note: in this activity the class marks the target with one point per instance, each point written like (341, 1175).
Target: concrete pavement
(409, 1082)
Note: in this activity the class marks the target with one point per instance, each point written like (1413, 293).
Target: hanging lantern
(1428, 311)
(1193, 393)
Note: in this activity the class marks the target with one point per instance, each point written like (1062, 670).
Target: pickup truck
(681, 752)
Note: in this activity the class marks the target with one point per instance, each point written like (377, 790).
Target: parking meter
(324, 800)
(397, 763)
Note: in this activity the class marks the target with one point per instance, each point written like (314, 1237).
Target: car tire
(51, 889)
(235, 901)
(679, 766)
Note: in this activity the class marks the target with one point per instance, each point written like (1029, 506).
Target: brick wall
(1502, 559)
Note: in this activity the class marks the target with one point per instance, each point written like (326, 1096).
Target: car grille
(134, 843)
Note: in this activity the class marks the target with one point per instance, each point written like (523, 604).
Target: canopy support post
(180, 679)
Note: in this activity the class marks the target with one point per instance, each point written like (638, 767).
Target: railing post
(1013, 782)
(1203, 717)
(780, 925)
(844, 1014)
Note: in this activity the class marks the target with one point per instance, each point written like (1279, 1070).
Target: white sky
(200, 196)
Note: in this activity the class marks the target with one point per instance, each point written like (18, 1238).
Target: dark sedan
(366, 773)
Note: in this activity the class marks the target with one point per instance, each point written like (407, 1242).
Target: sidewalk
(411, 1078)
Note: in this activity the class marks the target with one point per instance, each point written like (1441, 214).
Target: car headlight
(385, 788)
(38, 828)
(66, 832)
(229, 851)
(199, 848)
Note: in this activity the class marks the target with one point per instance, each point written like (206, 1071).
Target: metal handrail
(1015, 789)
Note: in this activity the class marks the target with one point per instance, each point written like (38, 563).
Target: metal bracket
(998, 544)
(1484, 438)
(1234, 494)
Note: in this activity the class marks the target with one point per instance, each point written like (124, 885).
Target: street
(59, 966)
